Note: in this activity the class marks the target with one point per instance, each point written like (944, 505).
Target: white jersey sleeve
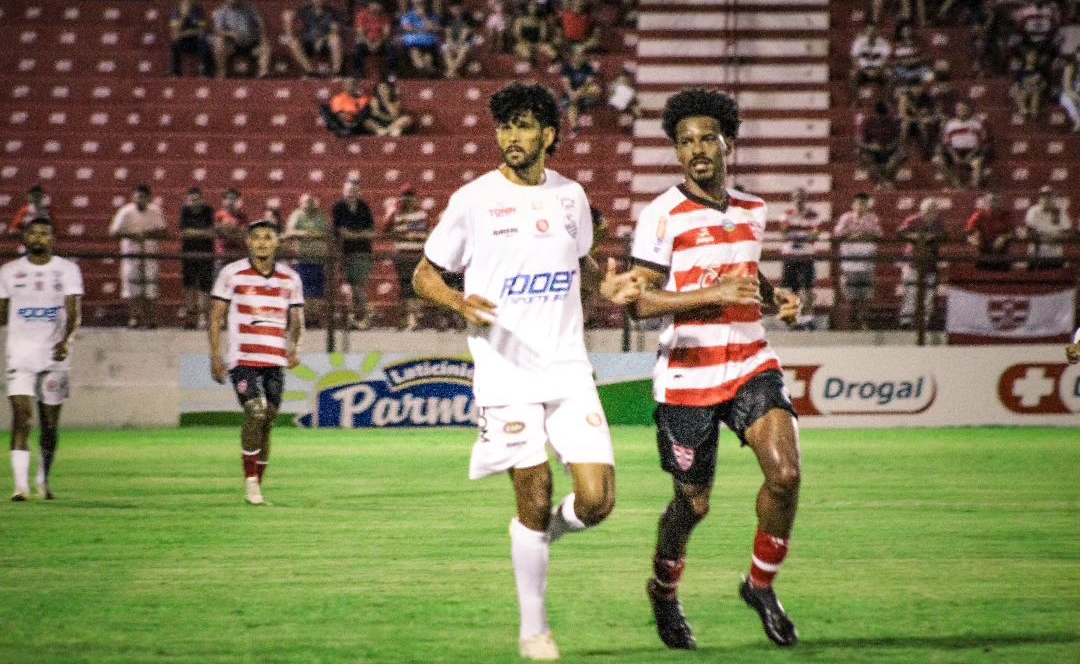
(651, 242)
(585, 225)
(72, 281)
(449, 245)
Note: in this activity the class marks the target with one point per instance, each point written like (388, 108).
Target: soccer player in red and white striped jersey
(263, 302)
(696, 250)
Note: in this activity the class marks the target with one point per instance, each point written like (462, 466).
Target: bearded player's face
(523, 140)
(38, 239)
(702, 150)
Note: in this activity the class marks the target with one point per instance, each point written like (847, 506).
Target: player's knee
(256, 410)
(785, 480)
(694, 505)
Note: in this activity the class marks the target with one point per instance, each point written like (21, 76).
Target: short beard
(37, 250)
(525, 165)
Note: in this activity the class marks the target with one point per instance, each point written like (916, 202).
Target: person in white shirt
(870, 54)
(40, 296)
(1045, 226)
(140, 226)
(521, 234)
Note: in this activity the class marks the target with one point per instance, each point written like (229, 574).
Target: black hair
(40, 219)
(35, 189)
(233, 191)
(519, 98)
(194, 190)
(862, 196)
(694, 102)
(142, 189)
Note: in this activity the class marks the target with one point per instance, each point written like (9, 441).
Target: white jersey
(129, 219)
(258, 318)
(37, 315)
(520, 248)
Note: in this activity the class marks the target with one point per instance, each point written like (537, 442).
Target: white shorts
(139, 278)
(48, 387)
(515, 436)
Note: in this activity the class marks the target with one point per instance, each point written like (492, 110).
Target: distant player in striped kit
(696, 248)
(263, 302)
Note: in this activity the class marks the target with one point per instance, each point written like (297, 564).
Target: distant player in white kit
(521, 234)
(263, 302)
(40, 297)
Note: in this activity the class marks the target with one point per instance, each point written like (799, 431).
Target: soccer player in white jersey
(696, 248)
(263, 301)
(40, 296)
(521, 234)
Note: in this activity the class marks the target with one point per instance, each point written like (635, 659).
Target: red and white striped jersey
(964, 135)
(705, 356)
(258, 318)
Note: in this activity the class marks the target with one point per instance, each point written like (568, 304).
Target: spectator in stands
(925, 231)
(1029, 86)
(533, 35)
(580, 88)
(349, 111)
(140, 227)
(1070, 89)
(578, 27)
(1037, 22)
(497, 26)
(858, 231)
(878, 141)
(310, 31)
(908, 65)
(239, 30)
(459, 39)
(964, 143)
(386, 117)
(870, 53)
(196, 235)
(408, 225)
(1045, 226)
(622, 96)
(355, 227)
(420, 37)
(990, 229)
(800, 226)
(188, 33)
(37, 205)
(307, 233)
(373, 29)
(230, 226)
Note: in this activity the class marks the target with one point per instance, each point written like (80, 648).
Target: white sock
(564, 519)
(40, 477)
(529, 552)
(20, 468)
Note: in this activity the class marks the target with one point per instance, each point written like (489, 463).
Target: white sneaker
(253, 494)
(540, 648)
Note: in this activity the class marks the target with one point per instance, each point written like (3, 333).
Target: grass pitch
(915, 546)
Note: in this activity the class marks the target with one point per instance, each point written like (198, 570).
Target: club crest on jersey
(684, 456)
(542, 225)
(513, 427)
(594, 419)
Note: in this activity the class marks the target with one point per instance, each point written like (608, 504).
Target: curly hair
(692, 102)
(519, 98)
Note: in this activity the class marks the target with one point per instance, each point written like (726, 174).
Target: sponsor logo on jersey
(505, 232)
(513, 427)
(703, 237)
(501, 212)
(39, 314)
(539, 287)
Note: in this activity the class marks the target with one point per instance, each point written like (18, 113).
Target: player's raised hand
(788, 304)
(478, 310)
(728, 290)
(621, 288)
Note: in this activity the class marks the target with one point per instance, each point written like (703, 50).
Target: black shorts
(686, 436)
(798, 274)
(198, 274)
(254, 382)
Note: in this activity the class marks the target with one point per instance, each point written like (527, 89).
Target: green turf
(955, 545)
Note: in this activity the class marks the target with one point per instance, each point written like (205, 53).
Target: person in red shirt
(37, 205)
(373, 29)
(578, 27)
(229, 224)
(990, 229)
(349, 111)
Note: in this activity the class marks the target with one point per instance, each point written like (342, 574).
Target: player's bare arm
(3, 312)
(726, 291)
(218, 311)
(430, 285)
(73, 307)
(620, 287)
(296, 331)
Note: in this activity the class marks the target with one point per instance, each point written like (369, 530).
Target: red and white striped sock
(769, 554)
(667, 574)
